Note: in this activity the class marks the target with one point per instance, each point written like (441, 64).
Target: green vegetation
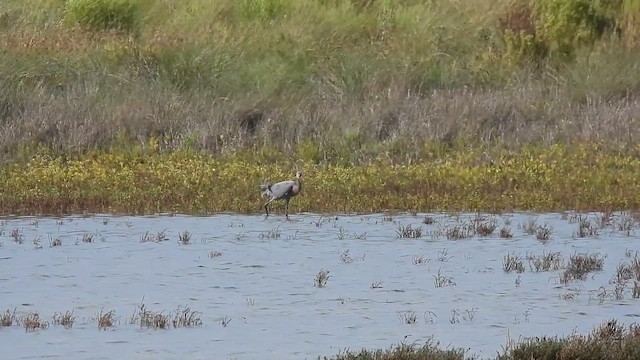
(610, 340)
(145, 181)
(139, 105)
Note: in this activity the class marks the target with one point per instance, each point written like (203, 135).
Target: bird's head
(299, 175)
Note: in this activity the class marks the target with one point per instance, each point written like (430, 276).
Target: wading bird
(284, 190)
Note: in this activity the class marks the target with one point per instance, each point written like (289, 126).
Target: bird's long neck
(298, 183)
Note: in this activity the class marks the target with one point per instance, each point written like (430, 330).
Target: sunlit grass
(544, 179)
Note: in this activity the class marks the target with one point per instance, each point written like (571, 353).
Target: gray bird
(283, 190)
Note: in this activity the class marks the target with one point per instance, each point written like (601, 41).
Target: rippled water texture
(262, 283)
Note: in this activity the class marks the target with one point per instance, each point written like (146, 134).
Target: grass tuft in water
(579, 266)
(67, 319)
(8, 318)
(409, 232)
(505, 233)
(512, 262)
(184, 238)
(441, 280)
(32, 322)
(322, 277)
(106, 320)
(185, 317)
(546, 262)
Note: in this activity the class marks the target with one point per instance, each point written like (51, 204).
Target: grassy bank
(79, 75)
(583, 177)
(611, 340)
(439, 105)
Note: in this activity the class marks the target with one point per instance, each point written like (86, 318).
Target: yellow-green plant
(535, 178)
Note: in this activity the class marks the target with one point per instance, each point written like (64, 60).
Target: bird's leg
(286, 209)
(266, 208)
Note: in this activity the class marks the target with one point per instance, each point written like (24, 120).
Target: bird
(283, 190)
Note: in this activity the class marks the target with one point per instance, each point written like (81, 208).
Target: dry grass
(441, 280)
(274, 233)
(185, 317)
(543, 232)
(459, 231)
(408, 232)
(579, 266)
(586, 228)
(67, 319)
(160, 236)
(546, 262)
(512, 262)
(106, 320)
(16, 234)
(184, 238)
(32, 322)
(334, 83)
(8, 318)
(321, 278)
(506, 233)
(408, 317)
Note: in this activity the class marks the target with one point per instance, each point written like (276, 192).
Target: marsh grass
(185, 317)
(548, 261)
(67, 319)
(88, 238)
(8, 318)
(225, 321)
(54, 242)
(16, 234)
(106, 319)
(149, 319)
(625, 223)
(160, 236)
(586, 228)
(428, 220)
(346, 258)
(441, 280)
(530, 227)
(419, 260)
(579, 266)
(214, 253)
(408, 317)
(512, 262)
(610, 340)
(184, 238)
(409, 232)
(485, 228)
(543, 232)
(444, 256)
(321, 279)
(272, 234)
(506, 233)
(430, 350)
(377, 284)
(177, 181)
(459, 231)
(32, 322)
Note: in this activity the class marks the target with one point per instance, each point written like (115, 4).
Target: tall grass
(374, 77)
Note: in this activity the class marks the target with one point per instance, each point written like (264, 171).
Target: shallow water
(265, 284)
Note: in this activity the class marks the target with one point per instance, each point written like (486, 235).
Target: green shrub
(119, 15)
(567, 24)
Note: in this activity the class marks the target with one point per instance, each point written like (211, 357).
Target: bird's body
(283, 190)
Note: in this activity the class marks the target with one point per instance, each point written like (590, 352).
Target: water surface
(262, 283)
